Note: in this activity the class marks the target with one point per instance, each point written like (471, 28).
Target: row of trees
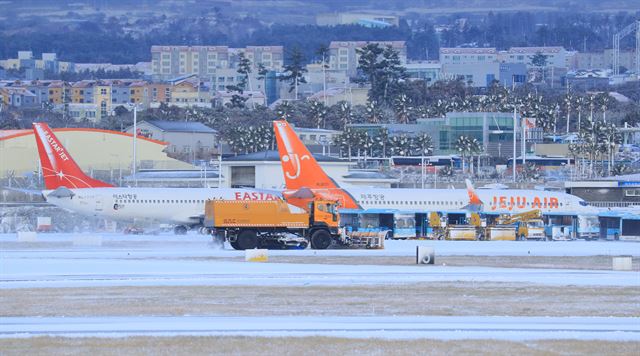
(597, 140)
(94, 39)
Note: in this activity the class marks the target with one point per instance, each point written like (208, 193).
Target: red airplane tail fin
(58, 168)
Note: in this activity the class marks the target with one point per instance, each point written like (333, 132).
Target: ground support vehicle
(493, 232)
(500, 233)
(441, 230)
(273, 224)
(529, 225)
(364, 239)
(587, 227)
(461, 232)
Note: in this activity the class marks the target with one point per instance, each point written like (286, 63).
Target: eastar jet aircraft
(68, 187)
(302, 171)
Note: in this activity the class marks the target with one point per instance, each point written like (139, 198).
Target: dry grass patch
(447, 298)
(305, 346)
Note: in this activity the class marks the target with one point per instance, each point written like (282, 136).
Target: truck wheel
(320, 240)
(234, 244)
(247, 240)
(180, 230)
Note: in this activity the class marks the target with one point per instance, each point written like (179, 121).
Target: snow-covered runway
(167, 260)
(70, 272)
(390, 327)
(54, 263)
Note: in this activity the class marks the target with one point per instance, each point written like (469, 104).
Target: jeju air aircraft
(68, 187)
(301, 170)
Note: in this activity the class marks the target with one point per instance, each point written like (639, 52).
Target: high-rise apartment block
(343, 54)
(205, 61)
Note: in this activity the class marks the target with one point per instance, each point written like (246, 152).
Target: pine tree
(294, 71)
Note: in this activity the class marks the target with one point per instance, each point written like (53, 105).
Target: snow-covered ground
(72, 272)
(167, 260)
(194, 245)
(388, 327)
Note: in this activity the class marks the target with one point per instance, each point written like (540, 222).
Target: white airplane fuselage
(495, 201)
(184, 206)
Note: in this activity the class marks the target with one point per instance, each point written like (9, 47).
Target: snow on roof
(468, 50)
(181, 126)
(273, 156)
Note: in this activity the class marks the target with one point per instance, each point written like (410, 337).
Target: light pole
(135, 136)
(422, 171)
(435, 176)
(515, 146)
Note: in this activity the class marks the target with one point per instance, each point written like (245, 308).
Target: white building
(263, 170)
(343, 55)
(475, 74)
(184, 138)
(557, 56)
(468, 55)
(173, 61)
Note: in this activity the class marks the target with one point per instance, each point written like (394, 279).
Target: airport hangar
(102, 153)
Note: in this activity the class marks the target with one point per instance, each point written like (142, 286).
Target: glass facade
(493, 130)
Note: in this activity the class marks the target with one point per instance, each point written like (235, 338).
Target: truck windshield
(536, 224)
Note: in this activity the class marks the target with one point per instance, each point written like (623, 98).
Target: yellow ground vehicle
(497, 231)
(529, 225)
(443, 231)
(249, 224)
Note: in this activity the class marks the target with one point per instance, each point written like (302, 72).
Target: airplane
(301, 170)
(68, 187)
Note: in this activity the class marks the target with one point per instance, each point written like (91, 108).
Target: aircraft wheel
(320, 240)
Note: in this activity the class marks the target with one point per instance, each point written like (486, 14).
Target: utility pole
(324, 79)
(515, 147)
(524, 141)
(135, 136)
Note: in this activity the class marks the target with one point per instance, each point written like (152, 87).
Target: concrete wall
(477, 73)
(268, 175)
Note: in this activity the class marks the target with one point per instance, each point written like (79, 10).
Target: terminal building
(609, 192)
(494, 131)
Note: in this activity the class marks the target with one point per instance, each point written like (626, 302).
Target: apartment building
(557, 56)
(468, 55)
(343, 54)
(158, 93)
(603, 60)
(17, 97)
(204, 61)
(32, 66)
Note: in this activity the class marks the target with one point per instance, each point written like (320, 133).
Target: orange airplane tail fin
(301, 170)
(58, 168)
(475, 204)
